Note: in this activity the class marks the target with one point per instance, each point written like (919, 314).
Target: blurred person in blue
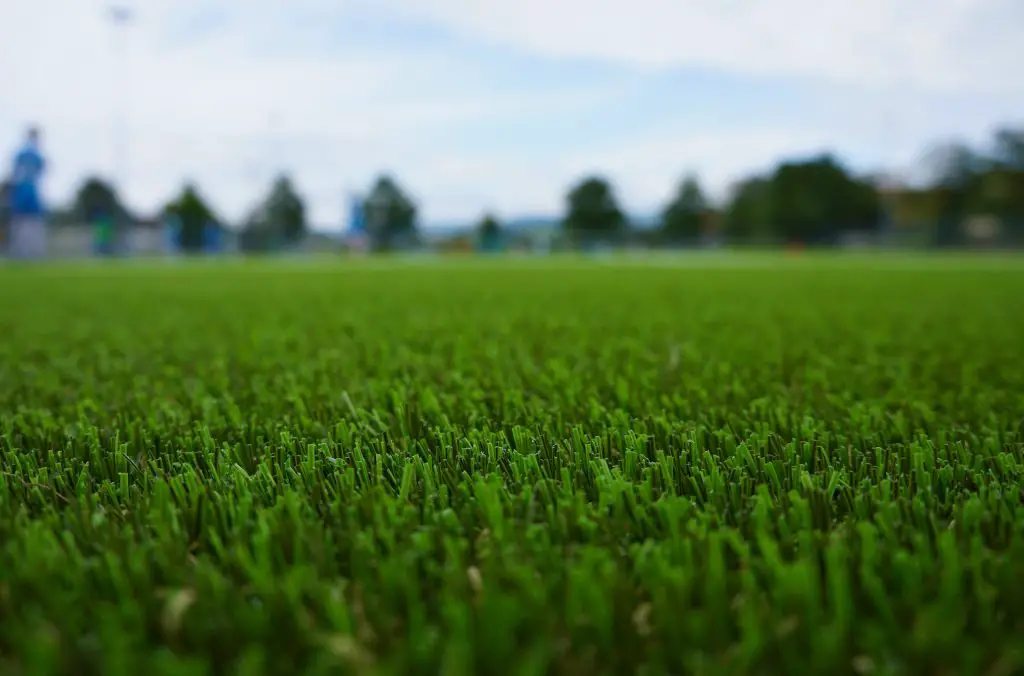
(357, 235)
(5, 213)
(103, 242)
(28, 226)
(211, 238)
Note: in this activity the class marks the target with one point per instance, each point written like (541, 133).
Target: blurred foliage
(97, 199)
(194, 215)
(489, 234)
(278, 221)
(812, 200)
(592, 212)
(390, 216)
(684, 217)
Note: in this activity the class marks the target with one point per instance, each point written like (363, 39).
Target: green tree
(593, 212)
(817, 199)
(489, 233)
(279, 219)
(1009, 149)
(193, 213)
(257, 233)
(96, 198)
(998, 187)
(390, 215)
(488, 227)
(748, 215)
(797, 207)
(683, 217)
(862, 206)
(286, 210)
(955, 170)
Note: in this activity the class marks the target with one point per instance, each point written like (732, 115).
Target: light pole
(120, 16)
(356, 235)
(274, 146)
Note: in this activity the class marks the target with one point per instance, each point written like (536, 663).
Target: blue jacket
(27, 170)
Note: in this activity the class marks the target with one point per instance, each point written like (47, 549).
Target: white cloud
(224, 110)
(644, 170)
(931, 44)
(207, 77)
(645, 166)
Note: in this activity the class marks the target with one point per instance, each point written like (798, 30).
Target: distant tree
(683, 217)
(279, 219)
(488, 227)
(998, 189)
(863, 205)
(955, 170)
(257, 233)
(194, 214)
(748, 215)
(390, 215)
(954, 165)
(97, 198)
(593, 212)
(286, 210)
(1009, 149)
(815, 200)
(489, 233)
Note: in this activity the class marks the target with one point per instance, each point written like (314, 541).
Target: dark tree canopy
(592, 210)
(193, 213)
(749, 213)
(1009, 149)
(95, 199)
(489, 233)
(278, 220)
(390, 215)
(488, 227)
(814, 200)
(286, 210)
(683, 217)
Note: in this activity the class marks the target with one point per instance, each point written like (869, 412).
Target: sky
(498, 105)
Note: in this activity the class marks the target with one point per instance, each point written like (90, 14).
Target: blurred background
(311, 126)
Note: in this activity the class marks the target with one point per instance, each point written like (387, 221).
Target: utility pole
(274, 154)
(120, 17)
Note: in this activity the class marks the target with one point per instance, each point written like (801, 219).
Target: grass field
(705, 465)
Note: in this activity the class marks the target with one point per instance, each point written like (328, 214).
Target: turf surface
(710, 465)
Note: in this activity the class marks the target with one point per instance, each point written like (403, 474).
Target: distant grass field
(707, 464)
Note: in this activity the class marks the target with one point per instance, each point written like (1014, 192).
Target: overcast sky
(496, 104)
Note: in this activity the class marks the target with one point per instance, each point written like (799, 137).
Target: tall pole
(274, 150)
(120, 18)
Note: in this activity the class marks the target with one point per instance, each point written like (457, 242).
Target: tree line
(277, 221)
(809, 201)
(818, 200)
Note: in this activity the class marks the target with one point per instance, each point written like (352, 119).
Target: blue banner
(357, 217)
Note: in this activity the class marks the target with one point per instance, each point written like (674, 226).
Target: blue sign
(357, 217)
(211, 238)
